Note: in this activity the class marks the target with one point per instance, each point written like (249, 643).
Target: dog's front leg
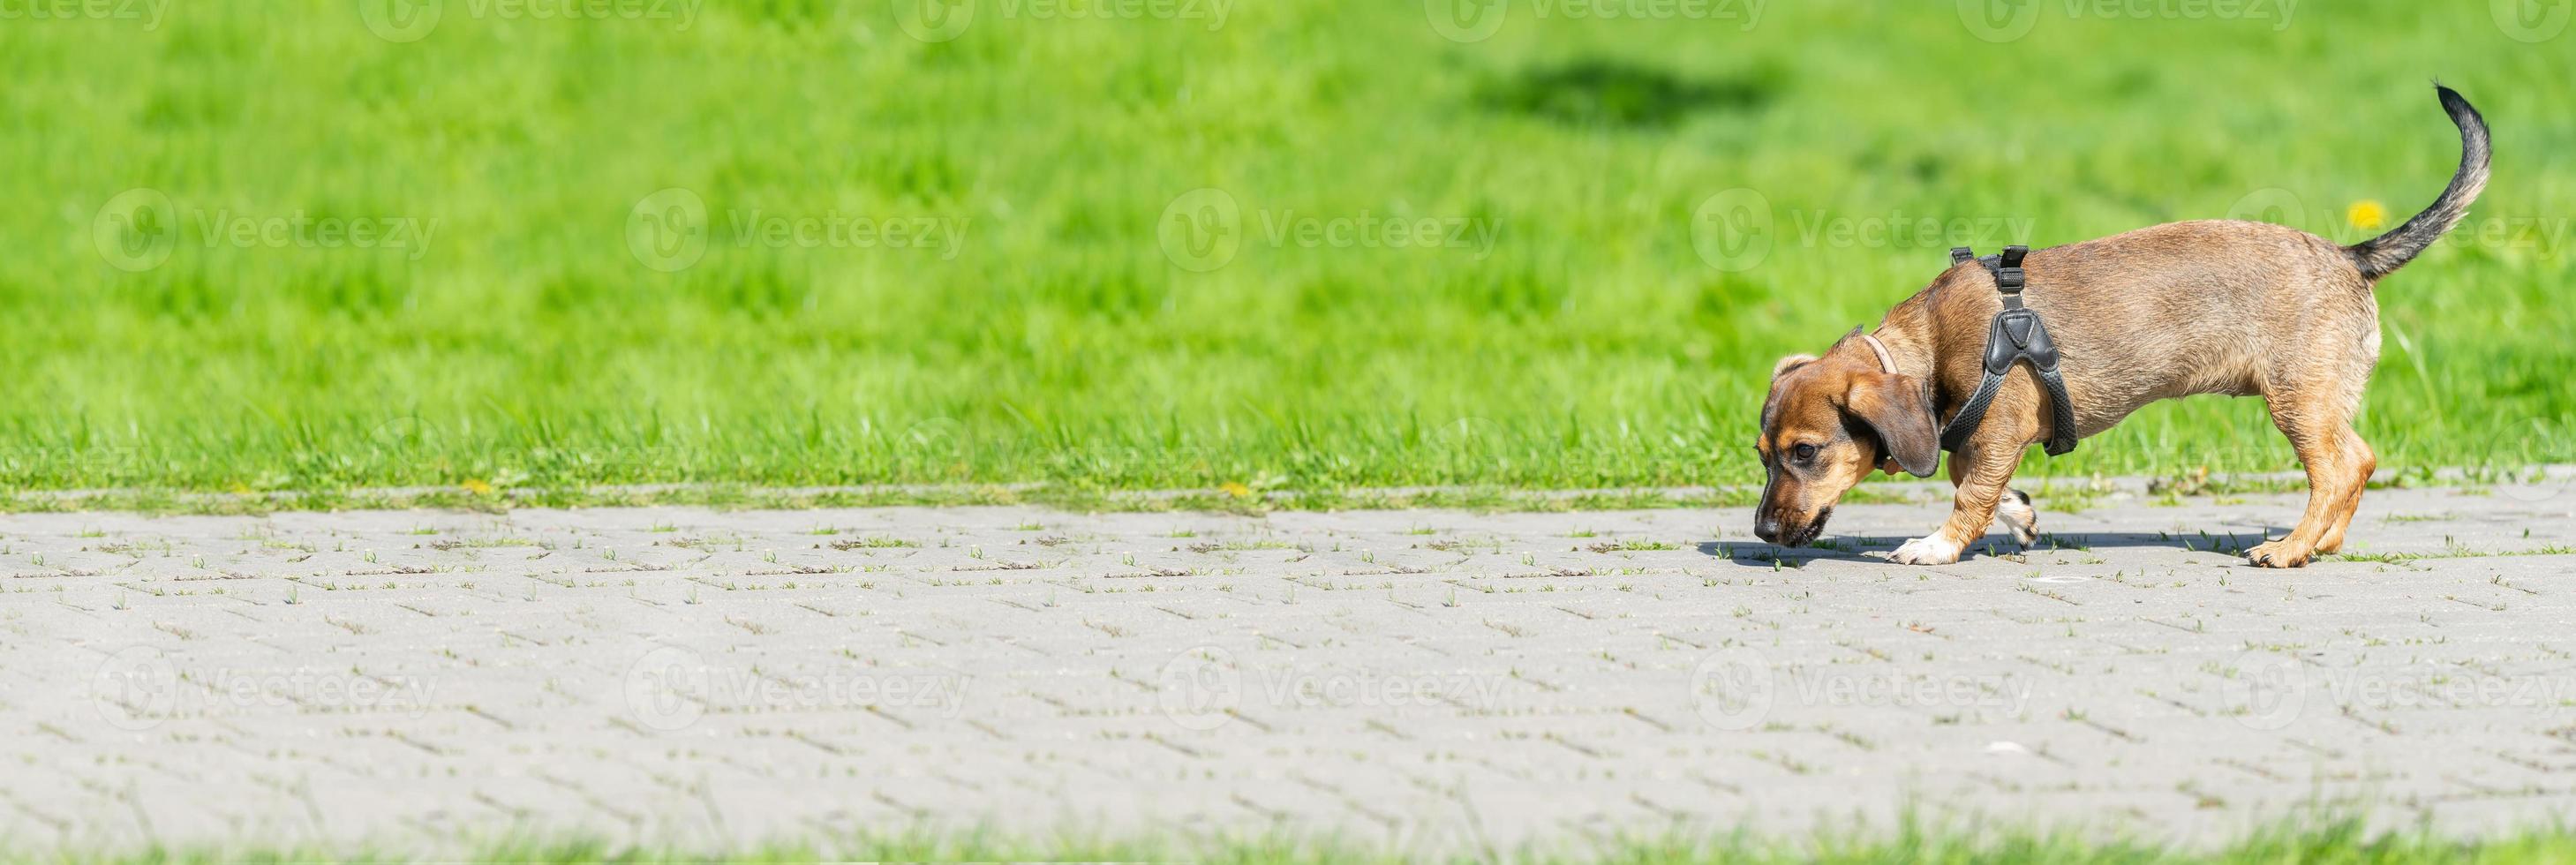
(1983, 469)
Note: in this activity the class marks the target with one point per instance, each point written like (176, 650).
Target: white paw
(1933, 550)
(2018, 516)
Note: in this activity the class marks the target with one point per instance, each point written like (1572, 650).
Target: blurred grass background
(1056, 340)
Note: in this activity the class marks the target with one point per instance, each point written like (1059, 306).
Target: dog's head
(1828, 421)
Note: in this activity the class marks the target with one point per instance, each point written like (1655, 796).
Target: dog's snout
(1789, 529)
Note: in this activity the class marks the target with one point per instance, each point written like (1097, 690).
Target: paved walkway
(1434, 679)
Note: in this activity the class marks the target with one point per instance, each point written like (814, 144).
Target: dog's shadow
(1857, 548)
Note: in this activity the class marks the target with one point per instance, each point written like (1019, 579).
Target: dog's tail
(2382, 255)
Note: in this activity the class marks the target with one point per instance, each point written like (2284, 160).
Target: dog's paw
(2016, 513)
(2279, 554)
(1931, 550)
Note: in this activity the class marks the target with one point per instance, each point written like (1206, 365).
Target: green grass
(2337, 841)
(1576, 339)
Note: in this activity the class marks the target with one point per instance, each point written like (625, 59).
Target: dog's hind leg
(2318, 422)
(2017, 514)
(2368, 462)
(2014, 510)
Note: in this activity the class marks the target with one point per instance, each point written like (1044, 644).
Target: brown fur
(2205, 307)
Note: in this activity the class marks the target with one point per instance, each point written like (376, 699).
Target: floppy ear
(1789, 363)
(1899, 410)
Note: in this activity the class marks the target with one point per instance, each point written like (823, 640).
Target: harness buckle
(2008, 275)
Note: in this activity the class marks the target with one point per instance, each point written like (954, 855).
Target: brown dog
(2213, 306)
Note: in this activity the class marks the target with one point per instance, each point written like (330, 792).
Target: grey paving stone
(1432, 679)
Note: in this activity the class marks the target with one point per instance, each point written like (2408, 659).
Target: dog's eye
(1803, 452)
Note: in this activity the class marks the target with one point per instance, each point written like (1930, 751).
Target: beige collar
(1885, 361)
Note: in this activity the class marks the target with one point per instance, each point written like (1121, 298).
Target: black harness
(2016, 336)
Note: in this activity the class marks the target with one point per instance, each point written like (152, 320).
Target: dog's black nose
(1767, 528)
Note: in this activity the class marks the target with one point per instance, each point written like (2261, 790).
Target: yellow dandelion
(2367, 215)
(1236, 490)
(478, 487)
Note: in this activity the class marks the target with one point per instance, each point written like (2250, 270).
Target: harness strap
(2016, 335)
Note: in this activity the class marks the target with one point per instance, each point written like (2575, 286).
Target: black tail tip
(2452, 101)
